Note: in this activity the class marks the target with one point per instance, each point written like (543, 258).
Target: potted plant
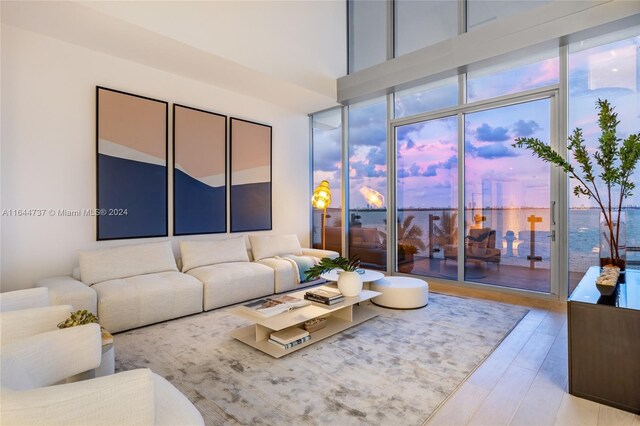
(616, 162)
(349, 281)
(83, 317)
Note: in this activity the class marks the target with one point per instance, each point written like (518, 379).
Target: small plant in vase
(83, 317)
(349, 280)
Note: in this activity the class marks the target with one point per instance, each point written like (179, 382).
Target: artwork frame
(251, 175)
(199, 189)
(132, 173)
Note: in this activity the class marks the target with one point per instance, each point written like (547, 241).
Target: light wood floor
(524, 381)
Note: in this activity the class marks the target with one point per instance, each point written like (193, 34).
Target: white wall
(48, 148)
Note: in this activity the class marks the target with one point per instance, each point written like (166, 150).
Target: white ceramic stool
(401, 292)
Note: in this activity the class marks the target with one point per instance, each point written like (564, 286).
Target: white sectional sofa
(129, 286)
(224, 268)
(136, 285)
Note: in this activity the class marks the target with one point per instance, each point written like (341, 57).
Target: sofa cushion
(201, 253)
(126, 261)
(146, 299)
(264, 246)
(228, 283)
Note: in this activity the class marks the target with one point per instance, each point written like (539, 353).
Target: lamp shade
(372, 197)
(321, 196)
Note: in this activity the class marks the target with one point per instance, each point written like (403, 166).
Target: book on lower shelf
(291, 344)
(275, 305)
(289, 335)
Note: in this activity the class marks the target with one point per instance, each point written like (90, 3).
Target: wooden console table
(604, 342)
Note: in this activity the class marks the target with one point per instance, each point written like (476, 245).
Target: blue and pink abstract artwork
(131, 166)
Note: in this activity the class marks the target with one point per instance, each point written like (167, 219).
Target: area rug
(395, 369)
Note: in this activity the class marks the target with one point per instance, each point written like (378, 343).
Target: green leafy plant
(616, 162)
(326, 264)
(79, 318)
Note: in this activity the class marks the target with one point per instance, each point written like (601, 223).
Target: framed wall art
(250, 176)
(199, 171)
(132, 173)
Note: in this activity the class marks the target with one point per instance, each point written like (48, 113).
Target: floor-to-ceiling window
(468, 206)
(326, 139)
(603, 68)
(368, 182)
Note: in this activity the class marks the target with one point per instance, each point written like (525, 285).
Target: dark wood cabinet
(604, 342)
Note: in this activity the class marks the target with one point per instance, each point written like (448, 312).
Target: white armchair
(24, 299)
(35, 354)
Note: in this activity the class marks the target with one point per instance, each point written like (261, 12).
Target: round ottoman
(401, 292)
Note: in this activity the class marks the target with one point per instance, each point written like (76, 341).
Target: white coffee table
(368, 276)
(340, 316)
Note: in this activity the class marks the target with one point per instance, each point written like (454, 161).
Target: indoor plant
(83, 317)
(349, 281)
(617, 163)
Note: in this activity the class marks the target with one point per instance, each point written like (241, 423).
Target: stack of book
(289, 337)
(324, 295)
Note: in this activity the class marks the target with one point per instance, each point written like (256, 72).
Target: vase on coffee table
(350, 283)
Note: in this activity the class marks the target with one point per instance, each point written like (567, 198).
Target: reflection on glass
(482, 12)
(607, 71)
(508, 79)
(507, 196)
(327, 165)
(429, 97)
(427, 193)
(423, 23)
(367, 33)
(368, 182)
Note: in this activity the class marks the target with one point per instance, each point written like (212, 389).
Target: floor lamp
(321, 199)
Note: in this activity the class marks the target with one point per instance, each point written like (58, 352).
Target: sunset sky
(496, 174)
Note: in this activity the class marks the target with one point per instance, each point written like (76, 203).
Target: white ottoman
(401, 292)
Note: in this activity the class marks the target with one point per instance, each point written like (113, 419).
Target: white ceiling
(286, 52)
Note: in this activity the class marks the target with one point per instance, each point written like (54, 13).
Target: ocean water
(513, 231)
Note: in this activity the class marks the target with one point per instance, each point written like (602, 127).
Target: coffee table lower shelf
(257, 335)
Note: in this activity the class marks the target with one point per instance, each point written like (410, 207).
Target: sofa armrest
(47, 358)
(15, 325)
(66, 290)
(320, 253)
(120, 399)
(24, 299)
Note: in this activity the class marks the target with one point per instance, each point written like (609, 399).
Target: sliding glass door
(507, 214)
(502, 234)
